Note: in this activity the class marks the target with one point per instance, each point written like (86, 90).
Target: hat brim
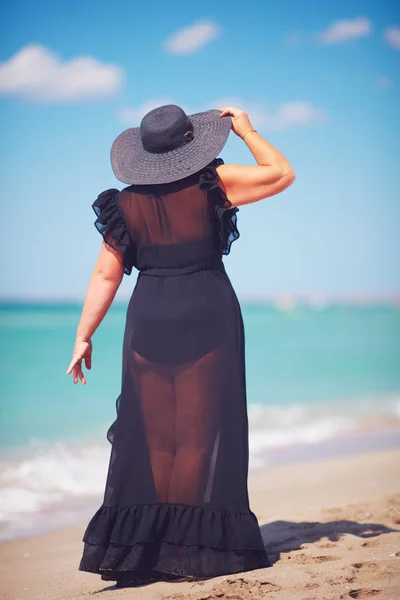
(133, 165)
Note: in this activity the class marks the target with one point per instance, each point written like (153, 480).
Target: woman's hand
(82, 350)
(240, 122)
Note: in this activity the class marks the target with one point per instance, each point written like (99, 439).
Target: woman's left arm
(103, 285)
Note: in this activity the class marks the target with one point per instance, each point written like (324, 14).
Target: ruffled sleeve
(224, 212)
(111, 225)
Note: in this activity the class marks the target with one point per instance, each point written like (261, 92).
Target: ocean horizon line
(282, 299)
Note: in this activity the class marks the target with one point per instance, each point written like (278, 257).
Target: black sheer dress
(176, 496)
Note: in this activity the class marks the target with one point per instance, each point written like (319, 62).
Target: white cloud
(342, 31)
(392, 36)
(383, 82)
(284, 116)
(295, 114)
(192, 38)
(35, 73)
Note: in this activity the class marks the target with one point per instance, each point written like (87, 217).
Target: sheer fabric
(176, 497)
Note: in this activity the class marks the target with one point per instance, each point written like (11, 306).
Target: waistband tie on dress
(204, 265)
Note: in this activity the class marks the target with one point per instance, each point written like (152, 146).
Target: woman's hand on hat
(82, 351)
(240, 121)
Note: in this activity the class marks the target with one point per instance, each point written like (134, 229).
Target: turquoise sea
(314, 372)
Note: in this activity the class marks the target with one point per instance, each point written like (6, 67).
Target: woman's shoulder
(224, 213)
(111, 225)
(208, 176)
(104, 198)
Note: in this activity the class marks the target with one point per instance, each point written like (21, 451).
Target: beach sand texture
(331, 529)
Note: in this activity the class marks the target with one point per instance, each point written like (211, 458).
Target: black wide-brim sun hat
(169, 145)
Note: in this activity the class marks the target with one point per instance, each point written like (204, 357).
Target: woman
(176, 499)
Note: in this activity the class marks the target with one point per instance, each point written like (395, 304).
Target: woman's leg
(154, 387)
(197, 392)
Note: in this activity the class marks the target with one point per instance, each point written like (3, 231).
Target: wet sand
(331, 528)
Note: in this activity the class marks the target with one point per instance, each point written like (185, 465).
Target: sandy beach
(331, 529)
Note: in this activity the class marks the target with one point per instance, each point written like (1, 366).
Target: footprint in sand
(306, 559)
(366, 566)
(326, 545)
(363, 593)
(375, 570)
(370, 544)
(334, 510)
(311, 586)
(244, 589)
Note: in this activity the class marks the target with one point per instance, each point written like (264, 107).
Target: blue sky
(319, 80)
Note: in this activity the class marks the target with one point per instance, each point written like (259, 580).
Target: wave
(54, 483)
(275, 427)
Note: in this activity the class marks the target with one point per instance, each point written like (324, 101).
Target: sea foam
(45, 480)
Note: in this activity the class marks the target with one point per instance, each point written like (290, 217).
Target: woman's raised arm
(246, 184)
(103, 285)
